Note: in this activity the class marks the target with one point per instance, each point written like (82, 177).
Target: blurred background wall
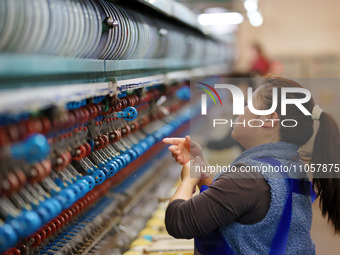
(303, 35)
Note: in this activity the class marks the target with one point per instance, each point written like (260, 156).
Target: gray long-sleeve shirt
(241, 197)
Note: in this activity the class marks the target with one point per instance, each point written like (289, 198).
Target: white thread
(316, 112)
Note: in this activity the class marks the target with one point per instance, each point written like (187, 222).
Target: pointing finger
(173, 140)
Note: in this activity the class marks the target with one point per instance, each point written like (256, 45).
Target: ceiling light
(250, 5)
(255, 18)
(226, 18)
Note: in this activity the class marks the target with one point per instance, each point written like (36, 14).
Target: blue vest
(286, 226)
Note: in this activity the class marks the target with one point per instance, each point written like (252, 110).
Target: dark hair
(236, 78)
(326, 148)
(257, 47)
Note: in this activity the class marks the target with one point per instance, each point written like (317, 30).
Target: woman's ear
(272, 120)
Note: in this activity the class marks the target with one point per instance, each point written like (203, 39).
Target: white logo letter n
(238, 97)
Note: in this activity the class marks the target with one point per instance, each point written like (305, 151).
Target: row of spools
(97, 29)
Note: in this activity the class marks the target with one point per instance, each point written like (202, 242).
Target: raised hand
(184, 149)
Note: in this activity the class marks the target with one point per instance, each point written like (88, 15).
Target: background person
(259, 62)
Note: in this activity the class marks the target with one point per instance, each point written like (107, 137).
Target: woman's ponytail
(326, 151)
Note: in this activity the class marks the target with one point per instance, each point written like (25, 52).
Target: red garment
(261, 65)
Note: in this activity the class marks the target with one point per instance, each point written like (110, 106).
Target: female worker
(259, 62)
(260, 212)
